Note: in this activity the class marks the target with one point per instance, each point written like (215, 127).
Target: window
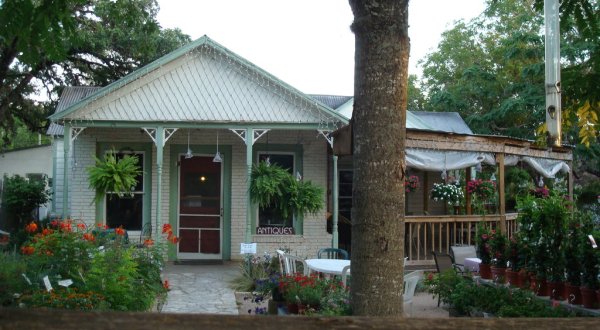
(345, 193)
(127, 211)
(270, 216)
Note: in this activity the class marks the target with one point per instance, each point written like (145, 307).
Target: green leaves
(274, 186)
(113, 175)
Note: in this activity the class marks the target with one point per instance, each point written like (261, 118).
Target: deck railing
(424, 234)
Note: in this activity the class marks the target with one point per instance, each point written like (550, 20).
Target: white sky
(306, 43)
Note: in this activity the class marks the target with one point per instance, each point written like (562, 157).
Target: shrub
(22, 196)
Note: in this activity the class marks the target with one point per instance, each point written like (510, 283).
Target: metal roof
(69, 96)
(450, 122)
(200, 82)
(332, 101)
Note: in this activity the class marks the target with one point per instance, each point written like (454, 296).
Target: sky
(305, 43)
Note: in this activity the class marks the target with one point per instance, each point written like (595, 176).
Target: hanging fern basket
(113, 175)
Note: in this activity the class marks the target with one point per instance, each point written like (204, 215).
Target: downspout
(160, 136)
(67, 148)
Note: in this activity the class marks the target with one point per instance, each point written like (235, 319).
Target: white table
(327, 266)
(472, 264)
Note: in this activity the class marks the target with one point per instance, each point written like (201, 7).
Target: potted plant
(484, 250)
(482, 192)
(531, 225)
(513, 254)
(573, 265)
(554, 215)
(302, 291)
(589, 262)
(113, 174)
(450, 193)
(498, 244)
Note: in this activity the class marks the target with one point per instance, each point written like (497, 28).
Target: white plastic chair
(288, 264)
(345, 273)
(410, 284)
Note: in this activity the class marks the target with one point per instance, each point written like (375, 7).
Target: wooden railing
(424, 234)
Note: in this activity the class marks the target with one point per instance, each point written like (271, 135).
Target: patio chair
(345, 275)
(332, 253)
(410, 284)
(289, 264)
(460, 252)
(443, 262)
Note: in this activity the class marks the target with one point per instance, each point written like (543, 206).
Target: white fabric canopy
(439, 160)
(436, 160)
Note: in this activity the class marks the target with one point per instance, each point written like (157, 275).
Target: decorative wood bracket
(75, 131)
(152, 133)
(241, 133)
(327, 135)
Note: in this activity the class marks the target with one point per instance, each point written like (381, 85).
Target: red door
(199, 208)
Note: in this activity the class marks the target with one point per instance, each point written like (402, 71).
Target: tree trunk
(379, 128)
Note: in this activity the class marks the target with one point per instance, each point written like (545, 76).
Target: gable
(203, 83)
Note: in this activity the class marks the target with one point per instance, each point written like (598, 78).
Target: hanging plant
(113, 175)
(273, 186)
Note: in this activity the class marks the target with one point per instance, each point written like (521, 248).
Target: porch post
(467, 194)
(335, 194)
(160, 136)
(502, 206)
(66, 150)
(249, 141)
(570, 180)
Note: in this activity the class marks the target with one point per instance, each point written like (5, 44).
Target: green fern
(113, 175)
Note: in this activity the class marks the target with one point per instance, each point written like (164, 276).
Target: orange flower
(49, 253)
(89, 237)
(81, 226)
(47, 231)
(27, 250)
(167, 228)
(120, 231)
(65, 226)
(148, 242)
(173, 239)
(31, 228)
(166, 284)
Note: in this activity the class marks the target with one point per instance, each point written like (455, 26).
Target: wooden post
(502, 206)
(467, 194)
(425, 192)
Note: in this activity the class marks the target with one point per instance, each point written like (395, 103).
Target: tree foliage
(48, 44)
(22, 196)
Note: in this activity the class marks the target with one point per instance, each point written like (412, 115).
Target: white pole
(553, 88)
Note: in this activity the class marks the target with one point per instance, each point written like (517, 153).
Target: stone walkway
(202, 289)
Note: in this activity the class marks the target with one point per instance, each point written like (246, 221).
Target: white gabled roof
(200, 82)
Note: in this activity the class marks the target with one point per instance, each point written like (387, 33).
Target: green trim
(177, 124)
(54, 173)
(226, 153)
(101, 148)
(298, 152)
(66, 149)
(204, 40)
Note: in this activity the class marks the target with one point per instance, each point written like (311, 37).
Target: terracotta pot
(292, 308)
(573, 294)
(499, 274)
(554, 290)
(485, 271)
(588, 297)
(523, 279)
(512, 277)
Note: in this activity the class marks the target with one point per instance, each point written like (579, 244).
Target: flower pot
(485, 271)
(523, 279)
(512, 277)
(588, 297)
(292, 308)
(499, 274)
(573, 294)
(554, 290)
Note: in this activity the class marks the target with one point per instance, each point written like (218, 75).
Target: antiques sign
(275, 230)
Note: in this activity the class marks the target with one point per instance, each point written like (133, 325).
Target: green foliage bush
(22, 196)
(84, 274)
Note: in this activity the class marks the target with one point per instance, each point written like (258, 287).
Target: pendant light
(218, 158)
(189, 154)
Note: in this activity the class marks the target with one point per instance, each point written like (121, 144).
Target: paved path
(201, 289)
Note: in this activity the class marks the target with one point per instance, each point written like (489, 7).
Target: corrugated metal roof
(332, 101)
(200, 82)
(69, 96)
(444, 121)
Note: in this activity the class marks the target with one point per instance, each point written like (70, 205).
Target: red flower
(89, 237)
(54, 223)
(31, 228)
(484, 237)
(148, 242)
(166, 284)
(65, 226)
(81, 226)
(27, 250)
(120, 231)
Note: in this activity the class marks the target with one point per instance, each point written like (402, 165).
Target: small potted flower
(498, 244)
(484, 250)
(411, 183)
(450, 193)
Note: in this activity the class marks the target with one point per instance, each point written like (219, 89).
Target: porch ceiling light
(189, 154)
(218, 158)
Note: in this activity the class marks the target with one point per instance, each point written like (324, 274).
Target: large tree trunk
(379, 128)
